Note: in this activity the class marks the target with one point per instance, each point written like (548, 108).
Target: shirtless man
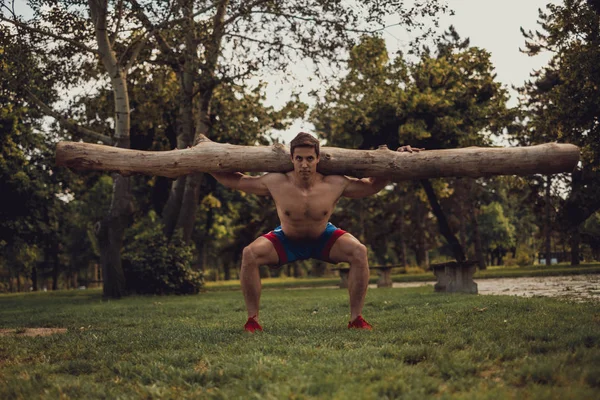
(305, 200)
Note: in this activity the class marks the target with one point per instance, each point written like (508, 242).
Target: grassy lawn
(424, 345)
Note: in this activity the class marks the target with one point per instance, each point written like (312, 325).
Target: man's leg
(348, 249)
(260, 252)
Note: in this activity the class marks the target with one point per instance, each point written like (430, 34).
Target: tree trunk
(170, 213)
(583, 201)
(547, 224)
(180, 211)
(191, 194)
(185, 133)
(457, 249)
(34, 279)
(205, 240)
(318, 269)
(114, 224)
(463, 231)
(55, 264)
(401, 222)
(75, 279)
(420, 248)
(208, 156)
(189, 205)
(480, 256)
(110, 241)
(575, 241)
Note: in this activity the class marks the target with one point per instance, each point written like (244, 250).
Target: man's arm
(245, 183)
(358, 188)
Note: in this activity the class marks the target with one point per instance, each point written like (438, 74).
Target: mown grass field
(425, 345)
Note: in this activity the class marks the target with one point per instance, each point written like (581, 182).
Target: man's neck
(304, 183)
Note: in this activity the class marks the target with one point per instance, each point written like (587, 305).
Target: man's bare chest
(296, 204)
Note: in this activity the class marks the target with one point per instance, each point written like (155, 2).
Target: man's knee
(249, 256)
(257, 253)
(359, 253)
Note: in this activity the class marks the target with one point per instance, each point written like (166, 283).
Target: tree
(206, 45)
(210, 43)
(31, 191)
(561, 101)
(591, 235)
(444, 100)
(497, 232)
(72, 35)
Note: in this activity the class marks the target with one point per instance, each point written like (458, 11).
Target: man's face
(305, 161)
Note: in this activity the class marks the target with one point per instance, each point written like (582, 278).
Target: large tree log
(208, 156)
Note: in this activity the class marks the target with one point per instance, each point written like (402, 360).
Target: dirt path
(575, 287)
(32, 331)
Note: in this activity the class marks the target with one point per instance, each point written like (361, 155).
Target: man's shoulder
(274, 177)
(335, 179)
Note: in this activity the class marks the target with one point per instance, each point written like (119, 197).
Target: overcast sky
(495, 26)
(490, 24)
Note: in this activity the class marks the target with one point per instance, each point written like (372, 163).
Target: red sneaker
(252, 325)
(359, 323)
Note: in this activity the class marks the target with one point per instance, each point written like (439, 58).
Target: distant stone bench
(455, 277)
(384, 272)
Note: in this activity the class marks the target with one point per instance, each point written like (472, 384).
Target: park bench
(455, 277)
(384, 272)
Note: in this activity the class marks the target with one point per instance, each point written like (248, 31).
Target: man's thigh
(264, 251)
(344, 248)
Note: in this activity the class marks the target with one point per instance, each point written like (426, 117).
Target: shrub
(523, 259)
(154, 265)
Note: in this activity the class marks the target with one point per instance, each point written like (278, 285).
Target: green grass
(424, 344)
(491, 272)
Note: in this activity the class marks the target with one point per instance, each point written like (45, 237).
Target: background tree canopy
(157, 75)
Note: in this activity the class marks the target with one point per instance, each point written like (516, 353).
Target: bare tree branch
(229, 79)
(169, 24)
(68, 124)
(247, 9)
(136, 52)
(162, 43)
(98, 12)
(262, 41)
(212, 52)
(118, 24)
(48, 33)
(321, 21)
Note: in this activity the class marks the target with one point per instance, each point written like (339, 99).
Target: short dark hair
(304, 139)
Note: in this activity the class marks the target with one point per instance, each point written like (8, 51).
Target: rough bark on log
(208, 156)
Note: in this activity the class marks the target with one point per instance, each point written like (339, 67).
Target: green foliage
(444, 100)
(447, 98)
(561, 102)
(154, 265)
(32, 190)
(496, 229)
(562, 97)
(84, 213)
(591, 234)
(523, 259)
